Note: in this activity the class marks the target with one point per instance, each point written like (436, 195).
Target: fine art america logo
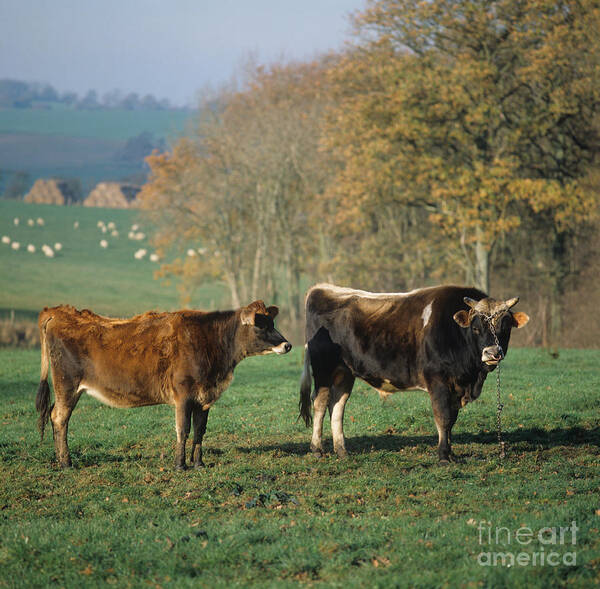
(547, 546)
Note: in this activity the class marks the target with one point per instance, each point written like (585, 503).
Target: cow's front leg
(320, 407)
(200, 417)
(445, 413)
(183, 423)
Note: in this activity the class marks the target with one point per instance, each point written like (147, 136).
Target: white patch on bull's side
(426, 314)
(99, 395)
(343, 291)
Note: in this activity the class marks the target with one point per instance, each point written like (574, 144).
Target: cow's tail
(42, 399)
(305, 389)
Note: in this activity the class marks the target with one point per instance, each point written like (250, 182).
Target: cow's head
(261, 337)
(489, 323)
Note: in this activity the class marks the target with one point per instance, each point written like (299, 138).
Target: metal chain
(490, 321)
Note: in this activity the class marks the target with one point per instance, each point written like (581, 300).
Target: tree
(243, 187)
(17, 186)
(472, 111)
(89, 101)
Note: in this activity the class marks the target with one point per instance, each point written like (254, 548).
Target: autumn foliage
(453, 141)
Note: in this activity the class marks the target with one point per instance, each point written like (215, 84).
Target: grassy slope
(83, 274)
(267, 514)
(115, 125)
(77, 143)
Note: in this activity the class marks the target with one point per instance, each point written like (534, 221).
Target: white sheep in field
(100, 224)
(58, 246)
(140, 254)
(5, 239)
(30, 222)
(103, 229)
(31, 248)
(114, 233)
(15, 245)
(135, 227)
(139, 236)
(48, 251)
(191, 253)
(76, 225)
(154, 257)
(111, 225)
(16, 221)
(103, 243)
(40, 221)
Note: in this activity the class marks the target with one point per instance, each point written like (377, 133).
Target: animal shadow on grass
(84, 457)
(527, 439)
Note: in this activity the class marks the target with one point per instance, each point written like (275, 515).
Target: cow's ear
(249, 312)
(520, 319)
(247, 316)
(463, 318)
(272, 311)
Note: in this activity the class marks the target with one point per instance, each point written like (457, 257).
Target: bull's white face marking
(99, 395)
(343, 291)
(492, 355)
(426, 314)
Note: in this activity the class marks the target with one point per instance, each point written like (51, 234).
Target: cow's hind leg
(343, 381)
(183, 424)
(320, 407)
(66, 397)
(200, 417)
(326, 362)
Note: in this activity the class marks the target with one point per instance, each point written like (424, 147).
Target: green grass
(108, 281)
(100, 124)
(265, 513)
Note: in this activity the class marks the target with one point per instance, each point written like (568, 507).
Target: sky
(172, 49)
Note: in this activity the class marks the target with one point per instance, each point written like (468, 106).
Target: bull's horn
(511, 302)
(470, 302)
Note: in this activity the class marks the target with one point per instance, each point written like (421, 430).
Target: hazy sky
(167, 48)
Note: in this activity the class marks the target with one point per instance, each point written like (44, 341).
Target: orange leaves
(484, 120)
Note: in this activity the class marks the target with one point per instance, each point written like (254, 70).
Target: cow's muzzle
(282, 348)
(492, 355)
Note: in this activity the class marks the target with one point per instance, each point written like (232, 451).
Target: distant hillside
(88, 145)
(20, 94)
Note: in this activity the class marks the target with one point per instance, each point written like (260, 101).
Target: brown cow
(185, 359)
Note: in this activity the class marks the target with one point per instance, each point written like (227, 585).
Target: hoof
(342, 454)
(180, 467)
(199, 465)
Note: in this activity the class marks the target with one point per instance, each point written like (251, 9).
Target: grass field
(265, 513)
(116, 125)
(108, 281)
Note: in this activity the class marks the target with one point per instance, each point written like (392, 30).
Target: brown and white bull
(185, 359)
(444, 340)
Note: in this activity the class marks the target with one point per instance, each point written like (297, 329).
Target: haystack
(50, 192)
(113, 195)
